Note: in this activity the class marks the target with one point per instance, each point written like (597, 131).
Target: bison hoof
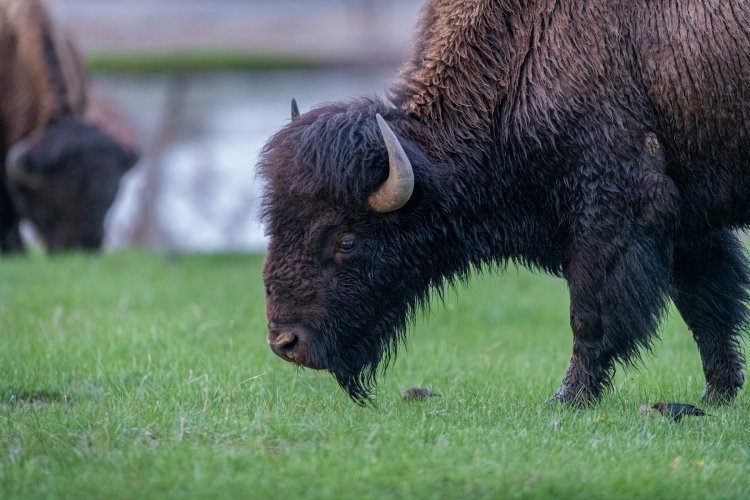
(713, 396)
(719, 396)
(578, 398)
(720, 393)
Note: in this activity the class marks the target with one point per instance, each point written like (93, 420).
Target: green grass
(192, 61)
(143, 376)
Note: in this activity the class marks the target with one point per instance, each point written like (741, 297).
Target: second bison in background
(61, 170)
(604, 141)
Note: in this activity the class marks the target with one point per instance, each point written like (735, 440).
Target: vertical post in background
(147, 226)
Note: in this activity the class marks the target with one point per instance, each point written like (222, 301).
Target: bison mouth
(355, 369)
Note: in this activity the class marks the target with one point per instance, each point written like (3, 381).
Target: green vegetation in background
(138, 375)
(192, 62)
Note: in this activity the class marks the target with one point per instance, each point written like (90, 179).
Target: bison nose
(284, 345)
(285, 342)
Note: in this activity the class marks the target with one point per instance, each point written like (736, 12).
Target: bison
(605, 142)
(61, 171)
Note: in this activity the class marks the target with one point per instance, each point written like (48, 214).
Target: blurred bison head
(64, 179)
(353, 244)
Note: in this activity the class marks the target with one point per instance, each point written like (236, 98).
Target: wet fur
(531, 127)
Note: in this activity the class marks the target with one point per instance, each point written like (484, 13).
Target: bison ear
(399, 186)
(295, 110)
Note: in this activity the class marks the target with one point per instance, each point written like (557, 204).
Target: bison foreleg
(614, 310)
(618, 270)
(711, 278)
(10, 237)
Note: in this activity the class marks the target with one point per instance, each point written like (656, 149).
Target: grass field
(143, 376)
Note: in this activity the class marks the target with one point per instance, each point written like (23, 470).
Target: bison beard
(611, 169)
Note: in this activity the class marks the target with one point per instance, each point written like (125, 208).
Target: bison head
(348, 206)
(64, 179)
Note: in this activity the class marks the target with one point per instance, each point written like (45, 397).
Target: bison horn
(295, 110)
(398, 187)
(15, 168)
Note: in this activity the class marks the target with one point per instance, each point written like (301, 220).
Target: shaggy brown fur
(487, 68)
(37, 86)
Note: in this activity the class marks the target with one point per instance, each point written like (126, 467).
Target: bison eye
(346, 244)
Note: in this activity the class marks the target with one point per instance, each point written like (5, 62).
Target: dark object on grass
(679, 410)
(599, 141)
(416, 393)
(58, 169)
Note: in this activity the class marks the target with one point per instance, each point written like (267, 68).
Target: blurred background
(205, 83)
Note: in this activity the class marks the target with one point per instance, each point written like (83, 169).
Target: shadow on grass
(31, 399)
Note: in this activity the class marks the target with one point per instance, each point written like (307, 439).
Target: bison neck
(459, 85)
(489, 216)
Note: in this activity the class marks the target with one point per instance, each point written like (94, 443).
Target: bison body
(605, 142)
(60, 171)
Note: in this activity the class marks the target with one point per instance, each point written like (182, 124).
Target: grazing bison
(60, 171)
(606, 142)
